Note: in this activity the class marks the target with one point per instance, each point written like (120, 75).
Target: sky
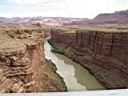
(60, 8)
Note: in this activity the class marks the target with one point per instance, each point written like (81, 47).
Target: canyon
(103, 51)
(23, 67)
(99, 45)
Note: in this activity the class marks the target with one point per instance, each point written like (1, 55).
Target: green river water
(76, 77)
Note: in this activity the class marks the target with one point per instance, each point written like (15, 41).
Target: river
(75, 76)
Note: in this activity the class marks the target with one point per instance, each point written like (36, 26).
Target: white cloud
(91, 8)
(32, 1)
(66, 8)
(25, 1)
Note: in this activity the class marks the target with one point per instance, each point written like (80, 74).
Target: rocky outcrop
(104, 53)
(52, 81)
(22, 60)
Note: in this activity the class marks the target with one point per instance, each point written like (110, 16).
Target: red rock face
(21, 61)
(105, 54)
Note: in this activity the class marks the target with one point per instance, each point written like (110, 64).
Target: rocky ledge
(22, 61)
(103, 52)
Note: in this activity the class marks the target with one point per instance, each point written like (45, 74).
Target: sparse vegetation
(98, 28)
(18, 27)
(56, 49)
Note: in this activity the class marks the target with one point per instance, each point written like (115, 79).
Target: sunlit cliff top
(16, 38)
(73, 29)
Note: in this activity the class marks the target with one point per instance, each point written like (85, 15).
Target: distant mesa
(118, 17)
(52, 21)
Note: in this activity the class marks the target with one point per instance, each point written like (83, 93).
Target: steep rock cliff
(104, 53)
(22, 60)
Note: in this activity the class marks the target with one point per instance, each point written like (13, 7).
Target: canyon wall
(105, 54)
(22, 61)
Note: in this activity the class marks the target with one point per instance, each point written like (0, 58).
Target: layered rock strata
(22, 59)
(104, 53)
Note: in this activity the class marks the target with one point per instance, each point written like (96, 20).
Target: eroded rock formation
(104, 53)
(22, 60)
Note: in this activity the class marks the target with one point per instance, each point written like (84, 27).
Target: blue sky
(63, 8)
